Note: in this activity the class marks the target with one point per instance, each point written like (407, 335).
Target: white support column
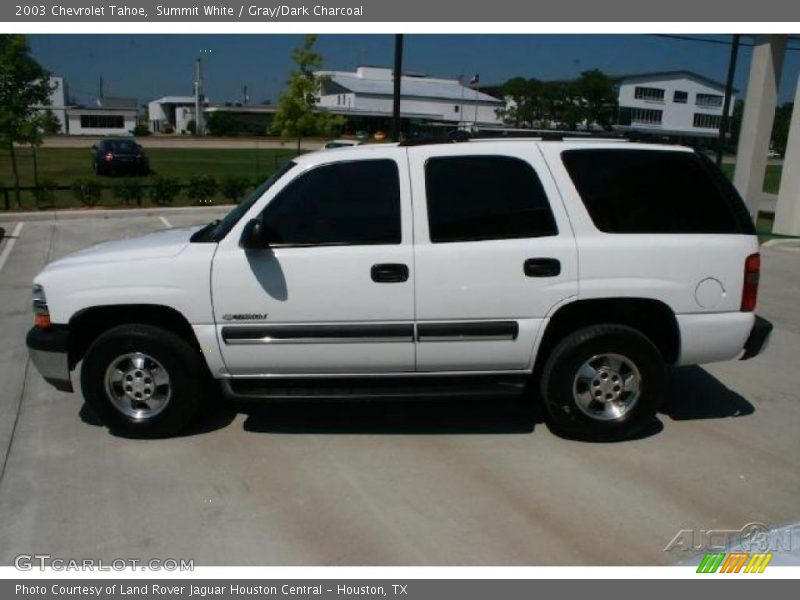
(759, 113)
(787, 214)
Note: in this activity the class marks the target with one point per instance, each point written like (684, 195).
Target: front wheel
(603, 383)
(143, 381)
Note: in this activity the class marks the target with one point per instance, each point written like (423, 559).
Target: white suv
(463, 268)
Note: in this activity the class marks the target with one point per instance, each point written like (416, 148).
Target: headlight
(41, 313)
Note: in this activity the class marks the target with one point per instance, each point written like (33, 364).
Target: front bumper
(49, 353)
(758, 339)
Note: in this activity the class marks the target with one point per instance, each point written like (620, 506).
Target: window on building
(485, 198)
(680, 97)
(646, 116)
(705, 121)
(711, 100)
(347, 203)
(656, 191)
(102, 121)
(456, 108)
(649, 94)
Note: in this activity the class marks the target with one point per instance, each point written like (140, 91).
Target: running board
(371, 388)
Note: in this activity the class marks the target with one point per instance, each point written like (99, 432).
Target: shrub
(201, 189)
(45, 194)
(141, 130)
(87, 192)
(233, 188)
(129, 192)
(164, 190)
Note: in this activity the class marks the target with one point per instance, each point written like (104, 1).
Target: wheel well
(651, 317)
(87, 325)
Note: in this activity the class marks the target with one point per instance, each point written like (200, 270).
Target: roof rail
(451, 138)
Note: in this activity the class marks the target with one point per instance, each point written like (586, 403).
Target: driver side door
(333, 291)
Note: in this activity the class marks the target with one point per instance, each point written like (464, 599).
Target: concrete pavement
(438, 483)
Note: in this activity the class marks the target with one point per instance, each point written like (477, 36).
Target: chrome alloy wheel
(138, 386)
(607, 386)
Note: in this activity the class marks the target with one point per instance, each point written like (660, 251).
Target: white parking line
(10, 244)
(166, 223)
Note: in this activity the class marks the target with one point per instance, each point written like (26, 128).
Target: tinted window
(342, 203)
(485, 198)
(649, 191)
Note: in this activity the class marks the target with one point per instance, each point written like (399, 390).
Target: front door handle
(389, 273)
(542, 267)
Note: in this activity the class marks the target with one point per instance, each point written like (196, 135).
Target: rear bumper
(48, 351)
(758, 340)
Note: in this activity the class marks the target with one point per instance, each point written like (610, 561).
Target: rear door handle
(542, 267)
(389, 273)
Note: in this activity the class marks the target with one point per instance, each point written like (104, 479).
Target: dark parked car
(119, 156)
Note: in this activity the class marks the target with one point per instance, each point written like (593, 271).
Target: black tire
(182, 362)
(559, 383)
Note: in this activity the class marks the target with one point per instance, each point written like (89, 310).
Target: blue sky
(150, 66)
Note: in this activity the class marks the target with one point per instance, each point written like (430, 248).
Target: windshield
(216, 230)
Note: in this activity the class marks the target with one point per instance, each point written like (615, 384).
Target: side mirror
(253, 236)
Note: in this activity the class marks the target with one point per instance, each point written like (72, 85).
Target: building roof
(380, 81)
(99, 110)
(175, 100)
(671, 75)
(117, 103)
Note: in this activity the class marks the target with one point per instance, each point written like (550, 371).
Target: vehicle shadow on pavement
(440, 417)
(696, 394)
(693, 393)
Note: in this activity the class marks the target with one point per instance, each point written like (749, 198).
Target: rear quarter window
(656, 191)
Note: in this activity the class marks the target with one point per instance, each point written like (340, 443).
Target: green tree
(32, 132)
(595, 93)
(297, 113)
(24, 85)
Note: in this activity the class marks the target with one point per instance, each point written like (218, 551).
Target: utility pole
(198, 97)
(101, 86)
(245, 99)
(398, 72)
(726, 106)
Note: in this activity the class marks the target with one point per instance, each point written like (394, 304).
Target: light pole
(398, 71)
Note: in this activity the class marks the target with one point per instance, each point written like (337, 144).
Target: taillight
(752, 268)
(108, 156)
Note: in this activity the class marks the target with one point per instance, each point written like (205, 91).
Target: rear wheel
(143, 381)
(603, 383)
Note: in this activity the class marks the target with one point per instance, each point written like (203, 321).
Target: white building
(57, 104)
(671, 103)
(365, 96)
(171, 114)
(111, 116)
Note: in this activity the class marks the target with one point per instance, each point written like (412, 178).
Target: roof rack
(541, 136)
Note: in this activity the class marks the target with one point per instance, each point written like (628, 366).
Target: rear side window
(654, 191)
(485, 198)
(347, 203)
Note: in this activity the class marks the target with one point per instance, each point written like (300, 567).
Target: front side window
(346, 203)
(485, 198)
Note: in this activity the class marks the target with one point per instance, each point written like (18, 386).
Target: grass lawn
(63, 166)
(772, 177)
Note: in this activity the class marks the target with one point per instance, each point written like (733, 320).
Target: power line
(688, 38)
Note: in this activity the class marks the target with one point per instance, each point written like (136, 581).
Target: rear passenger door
(493, 253)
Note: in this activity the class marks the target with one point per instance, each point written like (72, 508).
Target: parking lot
(442, 483)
